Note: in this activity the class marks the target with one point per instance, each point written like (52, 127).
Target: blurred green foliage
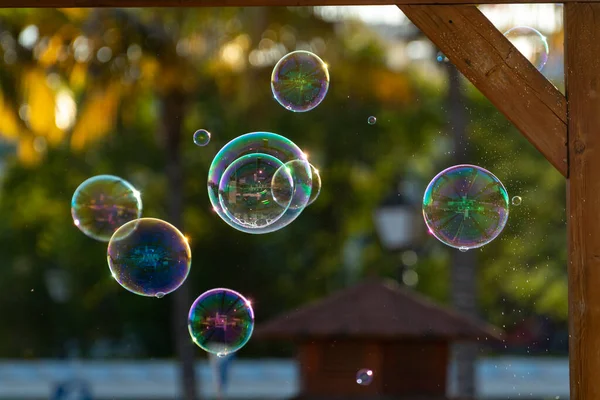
(207, 57)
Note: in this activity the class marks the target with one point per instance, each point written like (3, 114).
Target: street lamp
(399, 225)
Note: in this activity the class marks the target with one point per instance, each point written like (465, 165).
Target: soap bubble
(221, 321)
(316, 185)
(372, 120)
(246, 193)
(364, 377)
(531, 43)
(101, 204)
(441, 57)
(258, 142)
(300, 81)
(292, 184)
(465, 206)
(516, 200)
(149, 257)
(201, 137)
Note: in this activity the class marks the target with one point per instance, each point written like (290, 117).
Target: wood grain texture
(582, 74)
(500, 72)
(241, 3)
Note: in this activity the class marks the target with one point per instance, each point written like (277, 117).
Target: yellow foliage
(97, 118)
(9, 124)
(52, 51)
(78, 76)
(42, 106)
(26, 151)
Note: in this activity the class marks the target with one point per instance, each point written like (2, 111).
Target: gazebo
(400, 335)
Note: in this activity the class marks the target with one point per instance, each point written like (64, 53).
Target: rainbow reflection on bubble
(103, 203)
(465, 207)
(221, 321)
(531, 43)
(300, 81)
(149, 257)
(268, 143)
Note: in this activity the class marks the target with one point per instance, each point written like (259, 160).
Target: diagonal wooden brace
(500, 72)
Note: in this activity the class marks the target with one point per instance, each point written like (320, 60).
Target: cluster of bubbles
(150, 257)
(261, 182)
(465, 207)
(146, 256)
(258, 183)
(364, 377)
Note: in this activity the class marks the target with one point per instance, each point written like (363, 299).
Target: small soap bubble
(441, 57)
(201, 137)
(300, 81)
(292, 184)
(531, 43)
(160, 295)
(465, 206)
(149, 257)
(516, 200)
(372, 120)
(221, 321)
(102, 204)
(463, 249)
(364, 377)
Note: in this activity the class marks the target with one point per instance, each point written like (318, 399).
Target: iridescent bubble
(531, 43)
(149, 257)
(372, 120)
(201, 137)
(316, 185)
(465, 206)
(364, 377)
(246, 193)
(221, 321)
(103, 203)
(516, 200)
(292, 184)
(300, 81)
(258, 142)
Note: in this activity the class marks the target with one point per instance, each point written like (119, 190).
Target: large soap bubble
(531, 43)
(102, 204)
(221, 321)
(465, 207)
(251, 143)
(300, 81)
(149, 257)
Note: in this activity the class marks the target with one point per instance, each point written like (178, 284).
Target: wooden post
(582, 74)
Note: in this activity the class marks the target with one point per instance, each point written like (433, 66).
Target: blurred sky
(547, 18)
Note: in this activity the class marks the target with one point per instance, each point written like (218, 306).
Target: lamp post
(399, 225)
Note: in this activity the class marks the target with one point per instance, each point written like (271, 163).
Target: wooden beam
(500, 72)
(242, 3)
(582, 63)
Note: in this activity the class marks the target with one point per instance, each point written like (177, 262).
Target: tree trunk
(463, 273)
(173, 105)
